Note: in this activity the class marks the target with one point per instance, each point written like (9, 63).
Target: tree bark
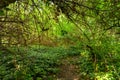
(0, 41)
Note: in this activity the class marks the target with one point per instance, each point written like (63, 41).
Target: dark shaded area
(5, 3)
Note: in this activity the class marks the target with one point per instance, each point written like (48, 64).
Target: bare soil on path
(69, 70)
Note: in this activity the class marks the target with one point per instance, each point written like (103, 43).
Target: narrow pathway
(68, 70)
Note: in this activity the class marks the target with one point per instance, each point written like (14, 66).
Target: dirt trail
(68, 70)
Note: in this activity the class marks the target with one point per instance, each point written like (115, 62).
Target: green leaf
(1, 13)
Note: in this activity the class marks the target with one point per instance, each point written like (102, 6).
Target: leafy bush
(106, 59)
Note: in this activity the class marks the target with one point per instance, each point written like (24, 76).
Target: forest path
(69, 70)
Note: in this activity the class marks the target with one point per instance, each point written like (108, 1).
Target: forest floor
(69, 70)
(58, 63)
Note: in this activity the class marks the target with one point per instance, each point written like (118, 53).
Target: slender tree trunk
(0, 42)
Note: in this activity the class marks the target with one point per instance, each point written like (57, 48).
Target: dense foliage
(86, 29)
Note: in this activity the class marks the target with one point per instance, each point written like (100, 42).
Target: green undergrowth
(106, 62)
(33, 63)
(43, 63)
